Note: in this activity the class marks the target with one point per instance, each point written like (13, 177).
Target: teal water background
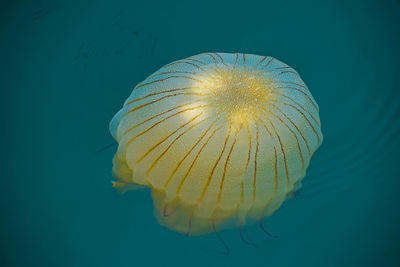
(67, 67)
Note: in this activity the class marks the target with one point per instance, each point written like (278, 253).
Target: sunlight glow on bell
(239, 93)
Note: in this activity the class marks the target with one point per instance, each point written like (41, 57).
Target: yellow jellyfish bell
(219, 138)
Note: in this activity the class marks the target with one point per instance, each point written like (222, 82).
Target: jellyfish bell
(220, 139)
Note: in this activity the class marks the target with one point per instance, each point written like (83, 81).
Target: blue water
(67, 66)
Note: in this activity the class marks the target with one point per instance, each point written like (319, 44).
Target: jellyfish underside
(221, 139)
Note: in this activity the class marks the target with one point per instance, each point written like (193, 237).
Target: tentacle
(106, 147)
(227, 251)
(247, 242)
(265, 231)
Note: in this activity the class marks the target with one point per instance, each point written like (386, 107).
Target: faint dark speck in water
(299, 194)
(82, 56)
(40, 13)
(129, 37)
(127, 42)
(118, 14)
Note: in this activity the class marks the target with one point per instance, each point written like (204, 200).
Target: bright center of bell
(236, 94)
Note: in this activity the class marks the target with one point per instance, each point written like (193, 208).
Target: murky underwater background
(67, 67)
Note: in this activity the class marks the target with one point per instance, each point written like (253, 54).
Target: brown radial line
(215, 165)
(205, 64)
(165, 138)
(295, 84)
(165, 211)
(226, 163)
(167, 78)
(295, 135)
(255, 165)
(163, 120)
(236, 59)
(249, 151)
(301, 91)
(197, 155)
(215, 61)
(196, 60)
(312, 127)
(270, 134)
(278, 68)
(300, 105)
(159, 93)
(244, 59)
(222, 61)
(261, 61)
(157, 100)
(172, 71)
(302, 86)
(283, 72)
(157, 115)
(282, 149)
(213, 68)
(276, 170)
(189, 225)
(170, 145)
(289, 119)
(185, 62)
(242, 192)
(269, 62)
(184, 157)
(265, 126)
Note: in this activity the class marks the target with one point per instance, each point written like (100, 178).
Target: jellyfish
(220, 139)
